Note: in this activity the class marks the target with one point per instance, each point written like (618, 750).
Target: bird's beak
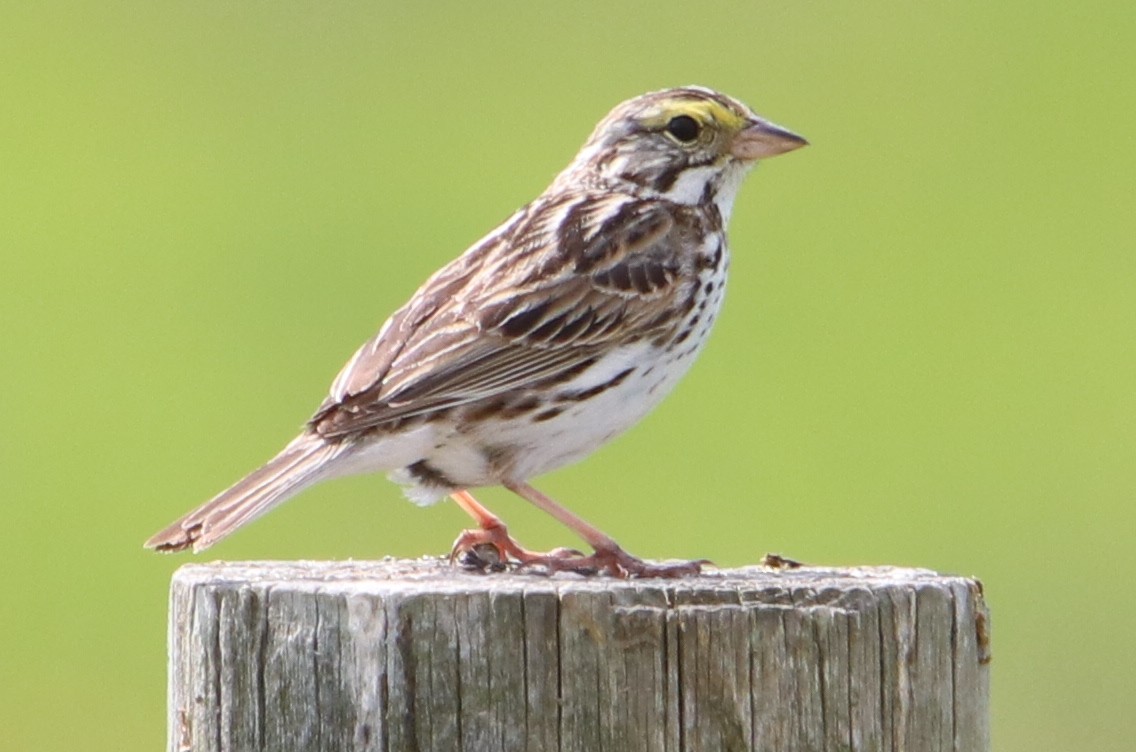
(761, 139)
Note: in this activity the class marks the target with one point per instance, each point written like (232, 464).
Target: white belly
(586, 425)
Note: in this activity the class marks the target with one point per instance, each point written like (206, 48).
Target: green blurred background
(927, 355)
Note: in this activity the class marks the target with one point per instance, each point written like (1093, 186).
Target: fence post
(394, 656)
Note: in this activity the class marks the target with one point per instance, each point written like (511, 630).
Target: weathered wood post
(413, 655)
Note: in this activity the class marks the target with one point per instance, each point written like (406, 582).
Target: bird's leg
(608, 557)
(491, 532)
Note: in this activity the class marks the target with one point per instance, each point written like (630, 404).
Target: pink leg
(608, 557)
(491, 531)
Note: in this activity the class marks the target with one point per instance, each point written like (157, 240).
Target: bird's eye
(684, 128)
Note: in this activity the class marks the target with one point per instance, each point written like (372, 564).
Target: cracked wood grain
(400, 656)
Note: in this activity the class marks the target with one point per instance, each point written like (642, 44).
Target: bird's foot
(492, 549)
(613, 561)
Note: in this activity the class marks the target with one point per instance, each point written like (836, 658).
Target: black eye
(684, 128)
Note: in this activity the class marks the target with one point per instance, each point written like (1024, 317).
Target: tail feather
(298, 466)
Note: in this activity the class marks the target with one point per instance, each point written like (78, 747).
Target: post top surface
(435, 574)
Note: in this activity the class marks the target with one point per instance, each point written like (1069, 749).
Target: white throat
(690, 186)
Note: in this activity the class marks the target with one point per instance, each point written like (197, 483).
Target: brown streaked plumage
(554, 333)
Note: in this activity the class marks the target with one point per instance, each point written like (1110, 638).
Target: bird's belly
(587, 425)
(554, 429)
(576, 418)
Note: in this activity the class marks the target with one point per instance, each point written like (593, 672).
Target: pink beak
(761, 139)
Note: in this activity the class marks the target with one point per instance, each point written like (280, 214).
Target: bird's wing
(534, 303)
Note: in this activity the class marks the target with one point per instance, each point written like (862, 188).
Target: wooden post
(393, 656)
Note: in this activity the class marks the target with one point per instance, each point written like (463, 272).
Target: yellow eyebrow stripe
(701, 110)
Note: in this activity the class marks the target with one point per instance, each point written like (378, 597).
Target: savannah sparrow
(552, 335)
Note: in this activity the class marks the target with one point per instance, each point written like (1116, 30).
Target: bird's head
(682, 144)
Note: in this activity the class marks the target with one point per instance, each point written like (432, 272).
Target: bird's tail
(299, 465)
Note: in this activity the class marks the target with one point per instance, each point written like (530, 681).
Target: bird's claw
(492, 549)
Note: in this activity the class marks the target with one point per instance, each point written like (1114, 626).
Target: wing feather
(496, 321)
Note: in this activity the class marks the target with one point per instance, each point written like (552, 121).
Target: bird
(550, 336)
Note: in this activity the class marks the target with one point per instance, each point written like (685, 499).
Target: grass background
(927, 355)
